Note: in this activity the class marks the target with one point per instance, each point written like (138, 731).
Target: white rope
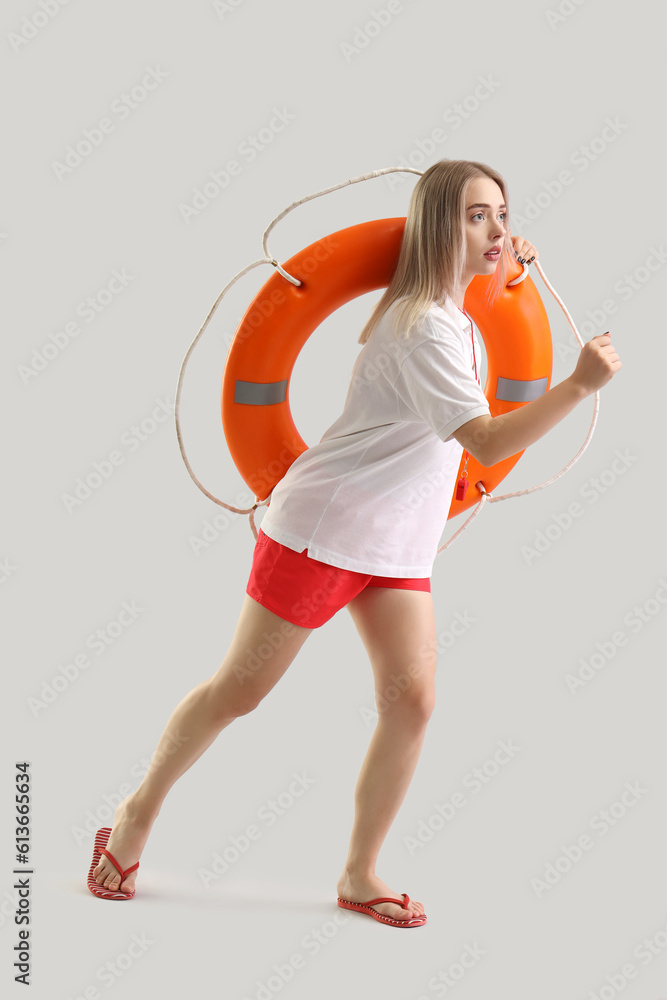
(309, 197)
(177, 405)
(566, 468)
(269, 259)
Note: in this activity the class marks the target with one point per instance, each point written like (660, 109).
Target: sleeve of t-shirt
(436, 382)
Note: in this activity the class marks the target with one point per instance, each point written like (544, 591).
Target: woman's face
(485, 216)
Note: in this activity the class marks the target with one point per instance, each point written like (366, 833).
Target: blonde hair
(432, 257)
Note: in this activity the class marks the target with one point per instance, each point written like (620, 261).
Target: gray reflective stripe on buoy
(260, 393)
(516, 390)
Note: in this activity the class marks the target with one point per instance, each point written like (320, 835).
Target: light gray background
(555, 85)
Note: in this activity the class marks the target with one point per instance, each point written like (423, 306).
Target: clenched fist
(597, 364)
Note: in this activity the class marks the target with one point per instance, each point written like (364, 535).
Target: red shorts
(308, 592)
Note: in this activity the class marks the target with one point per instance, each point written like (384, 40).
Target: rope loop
(295, 281)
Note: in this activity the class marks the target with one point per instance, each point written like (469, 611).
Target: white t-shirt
(373, 496)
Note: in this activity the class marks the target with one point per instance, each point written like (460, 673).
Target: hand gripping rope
(269, 259)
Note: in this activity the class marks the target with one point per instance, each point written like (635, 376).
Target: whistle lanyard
(462, 484)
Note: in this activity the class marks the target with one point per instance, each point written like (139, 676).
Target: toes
(416, 909)
(111, 880)
(100, 873)
(403, 914)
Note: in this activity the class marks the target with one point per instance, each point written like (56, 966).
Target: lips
(493, 254)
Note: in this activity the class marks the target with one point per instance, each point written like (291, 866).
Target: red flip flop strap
(113, 861)
(388, 899)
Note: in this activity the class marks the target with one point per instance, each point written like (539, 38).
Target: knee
(232, 697)
(420, 708)
(413, 701)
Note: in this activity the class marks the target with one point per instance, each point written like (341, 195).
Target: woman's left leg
(397, 628)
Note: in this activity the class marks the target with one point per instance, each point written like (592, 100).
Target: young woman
(349, 527)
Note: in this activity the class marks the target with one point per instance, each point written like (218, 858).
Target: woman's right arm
(492, 439)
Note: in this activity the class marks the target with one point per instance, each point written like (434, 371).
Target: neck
(457, 299)
(459, 295)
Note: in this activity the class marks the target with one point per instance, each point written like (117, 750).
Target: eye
(480, 215)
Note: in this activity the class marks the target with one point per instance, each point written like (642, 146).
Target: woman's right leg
(247, 673)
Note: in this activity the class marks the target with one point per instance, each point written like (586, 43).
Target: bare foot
(128, 837)
(357, 888)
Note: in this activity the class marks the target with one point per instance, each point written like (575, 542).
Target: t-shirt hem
(343, 562)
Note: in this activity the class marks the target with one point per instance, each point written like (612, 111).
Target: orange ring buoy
(257, 421)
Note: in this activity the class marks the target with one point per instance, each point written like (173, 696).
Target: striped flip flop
(368, 908)
(100, 848)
